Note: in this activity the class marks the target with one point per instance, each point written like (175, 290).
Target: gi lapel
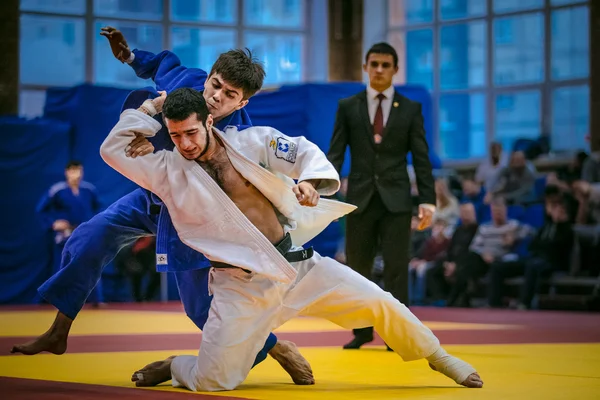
(288, 273)
(310, 220)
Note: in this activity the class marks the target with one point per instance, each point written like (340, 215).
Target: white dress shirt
(386, 104)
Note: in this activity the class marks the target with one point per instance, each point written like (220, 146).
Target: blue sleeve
(166, 71)
(96, 206)
(45, 210)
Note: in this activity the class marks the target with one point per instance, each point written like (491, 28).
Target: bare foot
(154, 373)
(287, 355)
(53, 341)
(472, 381)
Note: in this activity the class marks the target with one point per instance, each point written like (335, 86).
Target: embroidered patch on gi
(161, 259)
(286, 150)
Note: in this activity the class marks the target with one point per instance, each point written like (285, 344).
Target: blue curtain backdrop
(33, 154)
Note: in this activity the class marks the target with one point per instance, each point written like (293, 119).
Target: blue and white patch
(286, 150)
(161, 259)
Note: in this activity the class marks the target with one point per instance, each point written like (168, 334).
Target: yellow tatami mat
(548, 372)
(112, 322)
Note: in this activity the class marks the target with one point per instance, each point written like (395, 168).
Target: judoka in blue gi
(233, 79)
(65, 206)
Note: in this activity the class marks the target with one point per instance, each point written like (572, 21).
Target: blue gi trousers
(96, 242)
(96, 296)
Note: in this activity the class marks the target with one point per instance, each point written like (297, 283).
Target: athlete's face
(190, 136)
(74, 175)
(222, 98)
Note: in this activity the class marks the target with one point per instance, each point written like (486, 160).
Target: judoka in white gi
(233, 198)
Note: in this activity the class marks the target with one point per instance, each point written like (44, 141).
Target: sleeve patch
(284, 149)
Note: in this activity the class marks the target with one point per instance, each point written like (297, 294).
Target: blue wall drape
(33, 156)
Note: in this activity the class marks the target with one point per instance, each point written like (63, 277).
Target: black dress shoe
(357, 342)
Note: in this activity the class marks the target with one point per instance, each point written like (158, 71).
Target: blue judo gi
(140, 213)
(61, 203)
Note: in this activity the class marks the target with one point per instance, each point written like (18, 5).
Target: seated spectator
(588, 214)
(493, 242)
(447, 205)
(587, 228)
(590, 171)
(559, 185)
(472, 191)
(433, 248)
(488, 170)
(438, 277)
(565, 176)
(515, 183)
(549, 252)
(553, 180)
(554, 194)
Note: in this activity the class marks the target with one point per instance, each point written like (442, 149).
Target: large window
(497, 69)
(55, 35)
(52, 50)
(570, 116)
(139, 35)
(519, 49)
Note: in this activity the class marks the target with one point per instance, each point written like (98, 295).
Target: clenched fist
(306, 194)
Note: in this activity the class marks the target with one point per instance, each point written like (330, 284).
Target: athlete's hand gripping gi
(248, 305)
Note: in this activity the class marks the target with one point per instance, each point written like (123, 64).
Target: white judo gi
(246, 307)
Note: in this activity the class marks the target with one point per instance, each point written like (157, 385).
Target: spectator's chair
(535, 215)
(582, 289)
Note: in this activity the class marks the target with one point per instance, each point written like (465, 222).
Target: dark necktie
(378, 120)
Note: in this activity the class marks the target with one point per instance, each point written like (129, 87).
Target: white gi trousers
(246, 307)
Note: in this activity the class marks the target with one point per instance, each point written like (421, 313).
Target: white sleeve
(147, 171)
(295, 157)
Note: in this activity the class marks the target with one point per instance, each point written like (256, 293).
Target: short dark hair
(74, 164)
(382, 48)
(241, 69)
(183, 102)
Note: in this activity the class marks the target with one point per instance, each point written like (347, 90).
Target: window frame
(166, 23)
(490, 89)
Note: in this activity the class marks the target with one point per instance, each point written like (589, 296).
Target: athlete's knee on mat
(215, 384)
(215, 377)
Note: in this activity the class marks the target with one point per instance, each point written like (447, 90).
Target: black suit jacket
(382, 167)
